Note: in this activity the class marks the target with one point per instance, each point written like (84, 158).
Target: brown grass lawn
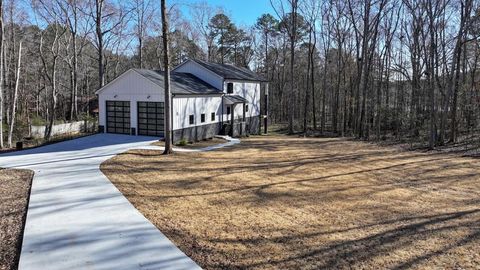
(14, 192)
(281, 202)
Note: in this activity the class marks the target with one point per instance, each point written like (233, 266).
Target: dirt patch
(196, 145)
(14, 193)
(280, 202)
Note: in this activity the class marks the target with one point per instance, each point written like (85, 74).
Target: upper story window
(191, 119)
(202, 118)
(213, 116)
(230, 88)
(246, 108)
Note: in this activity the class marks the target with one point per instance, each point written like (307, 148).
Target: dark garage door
(150, 118)
(118, 117)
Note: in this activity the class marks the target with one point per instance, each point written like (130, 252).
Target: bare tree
(143, 14)
(107, 17)
(166, 65)
(291, 26)
(13, 112)
(50, 12)
(201, 14)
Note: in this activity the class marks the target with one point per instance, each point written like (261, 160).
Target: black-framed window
(151, 118)
(191, 119)
(228, 110)
(229, 88)
(212, 116)
(202, 118)
(246, 107)
(118, 117)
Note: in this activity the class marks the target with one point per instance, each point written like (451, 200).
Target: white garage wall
(183, 107)
(251, 92)
(132, 87)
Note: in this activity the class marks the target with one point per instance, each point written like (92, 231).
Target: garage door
(150, 118)
(118, 117)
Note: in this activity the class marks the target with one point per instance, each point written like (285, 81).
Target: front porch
(235, 126)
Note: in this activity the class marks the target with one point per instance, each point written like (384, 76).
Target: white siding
(251, 92)
(183, 107)
(132, 87)
(201, 72)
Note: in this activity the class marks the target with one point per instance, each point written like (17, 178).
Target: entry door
(150, 118)
(118, 117)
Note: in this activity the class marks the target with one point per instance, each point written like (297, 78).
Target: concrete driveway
(76, 217)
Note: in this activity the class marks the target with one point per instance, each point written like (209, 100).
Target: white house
(206, 99)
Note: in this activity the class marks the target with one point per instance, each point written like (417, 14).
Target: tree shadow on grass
(370, 187)
(345, 253)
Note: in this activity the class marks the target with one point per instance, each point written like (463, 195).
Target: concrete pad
(229, 142)
(77, 219)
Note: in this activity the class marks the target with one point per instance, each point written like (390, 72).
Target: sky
(242, 12)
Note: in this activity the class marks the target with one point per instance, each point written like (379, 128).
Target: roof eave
(248, 80)
(199, 94)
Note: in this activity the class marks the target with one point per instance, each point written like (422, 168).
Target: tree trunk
(307, 84)
(312, 79)
(99, 32)
(324, 95)
(15, 97)
(166, 63)
(2, 48)
(293, 37)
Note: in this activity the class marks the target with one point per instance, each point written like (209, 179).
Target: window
(213, 116)
(191, 119)
(202, 118)
(229, 88)
(228, 110)
(246, 108)
(150, 118)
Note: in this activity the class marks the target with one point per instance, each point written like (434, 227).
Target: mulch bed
(14, 193)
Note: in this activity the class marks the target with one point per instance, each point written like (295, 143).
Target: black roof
(231, 72)
(181, 83)
(234, 99)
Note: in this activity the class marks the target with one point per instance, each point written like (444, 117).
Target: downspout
(265, 117)
(171, 119)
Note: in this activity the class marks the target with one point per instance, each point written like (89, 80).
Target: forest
(396, 70)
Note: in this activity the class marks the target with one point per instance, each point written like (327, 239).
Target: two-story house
(206, 99)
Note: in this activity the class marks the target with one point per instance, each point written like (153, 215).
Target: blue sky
(242, 12)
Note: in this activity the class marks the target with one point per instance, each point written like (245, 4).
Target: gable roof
(230, 71)
(181, 83)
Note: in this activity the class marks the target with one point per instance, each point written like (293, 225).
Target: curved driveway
(77, 219)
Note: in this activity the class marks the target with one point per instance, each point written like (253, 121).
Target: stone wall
(196, 133)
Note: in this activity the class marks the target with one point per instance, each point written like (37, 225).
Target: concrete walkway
(229, 141)
(77, 219)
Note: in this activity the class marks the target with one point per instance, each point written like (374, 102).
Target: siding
(132, 87)
(251, 92)
(183, 107)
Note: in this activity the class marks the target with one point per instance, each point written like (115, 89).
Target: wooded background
(403, 70)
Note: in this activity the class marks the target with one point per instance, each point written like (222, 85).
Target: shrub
(182, 142)
(37, 121)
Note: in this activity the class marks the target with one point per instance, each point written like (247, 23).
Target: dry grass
(14, 192)
(290, 203)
